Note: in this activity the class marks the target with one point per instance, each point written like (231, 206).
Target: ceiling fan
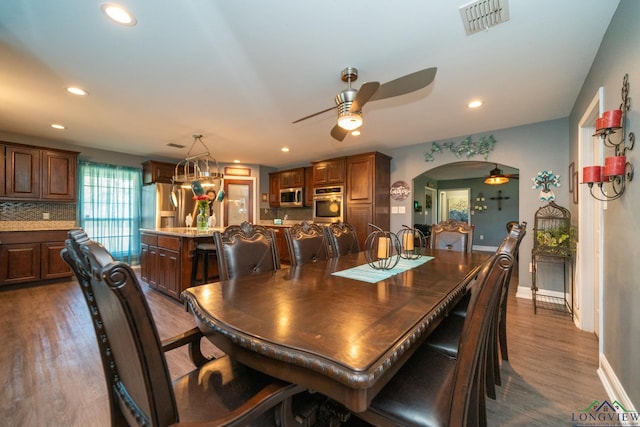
(350, 101)
(496, 177)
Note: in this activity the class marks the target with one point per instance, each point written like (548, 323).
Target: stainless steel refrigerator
(157, 209)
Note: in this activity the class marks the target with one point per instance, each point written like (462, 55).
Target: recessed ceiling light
(77, 91)
(355, 133)
(474, 104)
(236, 161)
(119, 14)
(285, 149)
(57, 126)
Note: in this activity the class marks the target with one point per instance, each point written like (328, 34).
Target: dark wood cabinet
(274, 189)
(27, 256)
(292, 178)
(367, 192)
(329, 172)
(169, 272)
(281, 244)
(308, 187)
(32, 173)
(58, 175)
(22, 172)
(153, 171)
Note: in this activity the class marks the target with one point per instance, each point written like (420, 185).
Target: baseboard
(612, 386)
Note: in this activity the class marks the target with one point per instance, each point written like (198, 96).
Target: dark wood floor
(51, 374)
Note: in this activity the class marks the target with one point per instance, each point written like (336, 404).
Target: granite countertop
(37, 225)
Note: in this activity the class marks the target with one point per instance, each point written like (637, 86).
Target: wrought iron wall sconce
(480, 205)
(617, 171)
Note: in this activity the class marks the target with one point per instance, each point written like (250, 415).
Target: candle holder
(617, 171)
(382, 249)
(412, 240)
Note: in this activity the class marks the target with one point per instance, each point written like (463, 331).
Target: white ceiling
(239, 72)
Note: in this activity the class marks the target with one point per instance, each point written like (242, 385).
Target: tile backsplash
(34, 211)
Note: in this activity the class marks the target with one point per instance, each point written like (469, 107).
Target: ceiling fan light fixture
(350, 121)
(496, 177)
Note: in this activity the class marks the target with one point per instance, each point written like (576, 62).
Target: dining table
(338, 327)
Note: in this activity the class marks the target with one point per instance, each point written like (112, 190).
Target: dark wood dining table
(341, 337)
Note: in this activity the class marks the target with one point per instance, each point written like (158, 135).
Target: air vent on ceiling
(174, 145)
(482, 14)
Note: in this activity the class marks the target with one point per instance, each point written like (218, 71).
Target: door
(239, 201)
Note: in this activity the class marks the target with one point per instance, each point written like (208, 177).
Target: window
(109, 208)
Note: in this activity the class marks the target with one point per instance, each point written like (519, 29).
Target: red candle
(591, 174)
(612, 118)
(614, 165)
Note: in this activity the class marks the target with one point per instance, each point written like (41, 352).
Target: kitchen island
(167, 254)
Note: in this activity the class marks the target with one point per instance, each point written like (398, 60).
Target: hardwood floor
(51, 373)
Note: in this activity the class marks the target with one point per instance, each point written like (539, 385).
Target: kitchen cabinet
(308, 187)
(274, 189)
(292, 178)
(281, 243)
(153, 171)
(32, 173)
(30, 256)
(166, 259)
(58, 175)
(368, 177)
(329, 172)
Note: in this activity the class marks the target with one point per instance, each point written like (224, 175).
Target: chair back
(342, 239)
(469, 375)
(306, 243)
(138, 380)
(452, 235)
(245, 249)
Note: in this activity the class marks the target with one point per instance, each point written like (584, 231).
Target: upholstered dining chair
(245, 249)
(452, 235)
(342, 239)
(433, 389)
(141, 393)
(446, 337)
(306, 243)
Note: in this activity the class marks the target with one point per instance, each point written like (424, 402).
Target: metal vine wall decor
(466, 147)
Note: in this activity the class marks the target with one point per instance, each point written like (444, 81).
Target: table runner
(366, 273)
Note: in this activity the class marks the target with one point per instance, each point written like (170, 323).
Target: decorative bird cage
(382, 249)
(553, 234)
(412, 241)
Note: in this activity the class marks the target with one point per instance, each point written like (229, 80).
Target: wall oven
(291, 197)
(328, 204)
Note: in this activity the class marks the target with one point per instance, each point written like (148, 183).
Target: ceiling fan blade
(406, 84)
(316, 114)
(366, 91)
(339, 133)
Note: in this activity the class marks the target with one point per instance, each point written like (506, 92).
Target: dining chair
(245, 249)
(433, 389)
(140, 389)
(446, 336)
(342, 239)
(306, 243)
(452, 235)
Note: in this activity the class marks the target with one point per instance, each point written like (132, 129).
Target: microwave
(291, 197)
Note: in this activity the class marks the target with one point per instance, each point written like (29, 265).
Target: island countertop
(192, 232)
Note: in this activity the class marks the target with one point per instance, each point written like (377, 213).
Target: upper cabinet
(32, 173)
(329, 172)
(153, 171)
(274, 189)
(292, 178)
